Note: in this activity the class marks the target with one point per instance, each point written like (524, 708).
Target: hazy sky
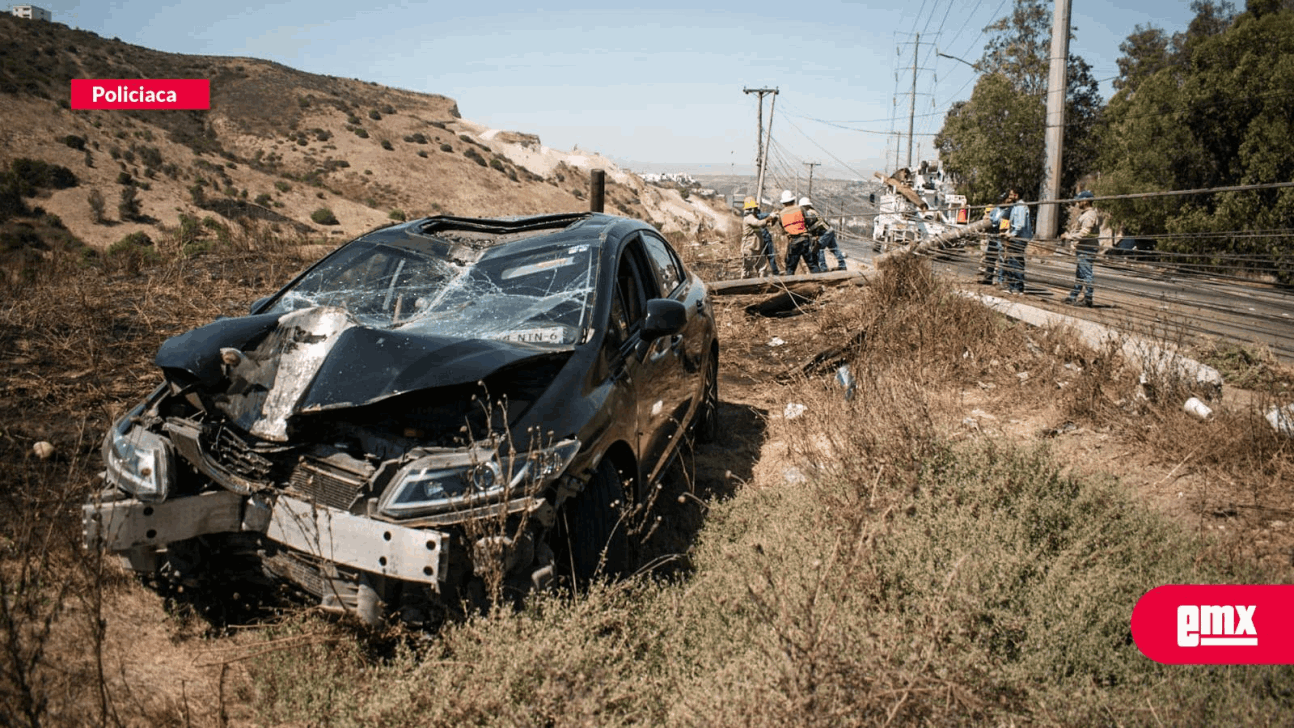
(660, 83)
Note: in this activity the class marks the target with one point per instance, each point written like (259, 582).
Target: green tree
(1019, 46)
(994, 140)
(997, 138)
(1221, 114)
(1145, 53)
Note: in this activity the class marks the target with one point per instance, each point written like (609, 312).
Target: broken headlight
(138, 461)
(431, 484)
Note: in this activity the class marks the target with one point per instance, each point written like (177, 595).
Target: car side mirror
(665, 317)
(258, 304)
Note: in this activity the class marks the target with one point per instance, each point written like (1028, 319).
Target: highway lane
(1140, 298)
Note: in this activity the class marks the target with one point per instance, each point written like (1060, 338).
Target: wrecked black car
(434, 409)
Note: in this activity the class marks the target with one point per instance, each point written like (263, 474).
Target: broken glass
(538, 294)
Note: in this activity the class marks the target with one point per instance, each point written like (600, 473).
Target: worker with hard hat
(1086, 244)
(758, 256)
(826, 237)
(798, 240)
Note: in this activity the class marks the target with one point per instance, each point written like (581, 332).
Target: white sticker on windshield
(548, 335)
(531, 268)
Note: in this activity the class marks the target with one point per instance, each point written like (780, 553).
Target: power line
(824, 149)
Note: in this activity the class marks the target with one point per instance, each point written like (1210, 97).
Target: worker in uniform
(991, 266)
(798, 240)
(826, 237)
(1019, 231)
(758, 256)
(1086, 245)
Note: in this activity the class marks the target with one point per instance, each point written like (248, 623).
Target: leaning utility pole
(1048, 212)
(761, 146)
(811, 165)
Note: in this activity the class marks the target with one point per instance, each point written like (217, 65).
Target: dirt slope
(278, 144)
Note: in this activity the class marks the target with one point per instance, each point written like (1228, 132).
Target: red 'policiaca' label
(141, 93)
(1216, 624)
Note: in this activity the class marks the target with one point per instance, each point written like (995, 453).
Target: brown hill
(277, 145)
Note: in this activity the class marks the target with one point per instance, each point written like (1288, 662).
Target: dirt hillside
(279, 144)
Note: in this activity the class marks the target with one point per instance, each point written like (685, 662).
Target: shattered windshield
(535, 293)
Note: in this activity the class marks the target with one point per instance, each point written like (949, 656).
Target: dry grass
(870, 574)
(76, 342)
(869, 571)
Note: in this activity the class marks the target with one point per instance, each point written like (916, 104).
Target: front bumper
(137, 529)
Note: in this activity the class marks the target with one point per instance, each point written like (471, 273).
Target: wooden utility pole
(811, 165)
(1048, 212)
(761, 145)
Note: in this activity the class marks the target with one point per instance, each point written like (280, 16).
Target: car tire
(707, 418)
(596, 529)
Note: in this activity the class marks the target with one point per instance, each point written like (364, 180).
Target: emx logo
(1216, 624)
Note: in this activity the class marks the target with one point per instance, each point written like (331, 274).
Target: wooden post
(597, 189)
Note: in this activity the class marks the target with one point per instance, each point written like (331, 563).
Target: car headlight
(138, 461)
(437, 482)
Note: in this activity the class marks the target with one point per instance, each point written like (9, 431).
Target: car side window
(629, 289)
(664, 264)
(618, 326)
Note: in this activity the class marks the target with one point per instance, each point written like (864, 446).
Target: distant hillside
(846, 202)
(277, 145)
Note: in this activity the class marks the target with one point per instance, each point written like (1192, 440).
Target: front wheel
(595, 526)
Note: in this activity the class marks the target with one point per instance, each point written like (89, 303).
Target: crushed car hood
(319, 359)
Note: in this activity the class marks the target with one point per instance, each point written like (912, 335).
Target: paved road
(1143, 298)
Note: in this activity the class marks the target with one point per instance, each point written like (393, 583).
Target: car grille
(326, 484)
(235, 455)
(259, 463)
(285, 566)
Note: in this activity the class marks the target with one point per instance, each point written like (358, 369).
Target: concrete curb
(1141, 352)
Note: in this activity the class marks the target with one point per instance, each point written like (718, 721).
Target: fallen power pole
(780, 283)
(938, 242)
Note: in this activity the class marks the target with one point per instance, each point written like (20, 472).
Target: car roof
(463, 234)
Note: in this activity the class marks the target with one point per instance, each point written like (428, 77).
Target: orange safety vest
(793, 221)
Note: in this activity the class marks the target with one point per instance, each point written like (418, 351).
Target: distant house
(31, 12)
(682, 178)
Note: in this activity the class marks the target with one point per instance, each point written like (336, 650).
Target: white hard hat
(787, 197)
(804, 202)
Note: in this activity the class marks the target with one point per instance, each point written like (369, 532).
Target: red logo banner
(1195, 624)
(141, 93)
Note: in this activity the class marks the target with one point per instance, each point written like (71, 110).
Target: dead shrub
(1248, 465)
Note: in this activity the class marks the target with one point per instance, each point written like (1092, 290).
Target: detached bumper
(131, 527)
